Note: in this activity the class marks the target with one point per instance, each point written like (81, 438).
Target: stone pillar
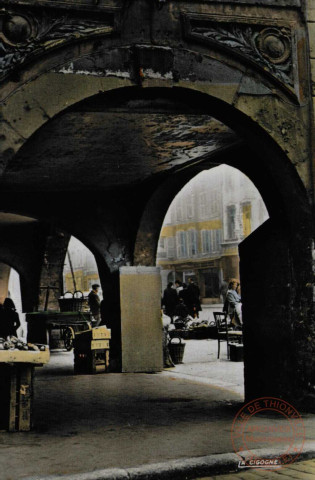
(141, 325)
(276, 348)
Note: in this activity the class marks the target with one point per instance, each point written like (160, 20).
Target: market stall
(16, 385)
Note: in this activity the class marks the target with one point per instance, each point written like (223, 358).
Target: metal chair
(225, 333)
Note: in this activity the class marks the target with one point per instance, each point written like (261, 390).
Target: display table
(16, 387)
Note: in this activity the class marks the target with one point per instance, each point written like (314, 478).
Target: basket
(73, 303)
(178, 333)
(177, 350)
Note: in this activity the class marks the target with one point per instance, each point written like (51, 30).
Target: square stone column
(141, 324)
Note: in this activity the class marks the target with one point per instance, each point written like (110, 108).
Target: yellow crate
(95, 333)
(99, 344)
(101, 332)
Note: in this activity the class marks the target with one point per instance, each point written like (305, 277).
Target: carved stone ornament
(25, 34)
(269, 48)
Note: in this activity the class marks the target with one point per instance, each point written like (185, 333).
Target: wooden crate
(96, 333)
(90, 362)
(81, 344)
(16, 400)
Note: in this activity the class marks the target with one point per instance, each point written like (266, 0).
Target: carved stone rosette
(268, 47)
(26, 33)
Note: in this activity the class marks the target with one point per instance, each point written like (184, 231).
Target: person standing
(178, 287)
(193, 298)
(10, 317)
(170, 300)
(234, 303)
(95, 304)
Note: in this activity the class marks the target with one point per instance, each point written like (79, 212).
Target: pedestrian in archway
(234, 303)
(170, 300)
(193, 298)
(179, 287)
(10, 317)
(95, 304)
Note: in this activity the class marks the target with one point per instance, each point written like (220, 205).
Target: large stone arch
(276, 277)
(195, 56)
(249, 64)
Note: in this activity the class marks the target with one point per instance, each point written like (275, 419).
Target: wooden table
(16, 387)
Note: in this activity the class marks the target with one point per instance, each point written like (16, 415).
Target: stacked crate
(91, 350)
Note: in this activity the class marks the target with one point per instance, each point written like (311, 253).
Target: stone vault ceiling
(94, 149)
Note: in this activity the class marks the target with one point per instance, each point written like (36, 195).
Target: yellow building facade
(203, 227)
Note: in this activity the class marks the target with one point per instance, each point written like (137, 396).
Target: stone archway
(257, 86)
(275, 177)
(275, 269)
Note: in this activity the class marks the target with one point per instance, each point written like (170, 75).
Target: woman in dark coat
(10, 317)
(193, 299)
(170, 300)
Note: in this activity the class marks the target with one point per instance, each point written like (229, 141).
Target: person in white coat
(234, 302)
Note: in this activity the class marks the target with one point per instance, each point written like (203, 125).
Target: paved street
(86, 423)
(202, 365)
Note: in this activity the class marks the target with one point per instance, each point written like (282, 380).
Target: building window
(219, 239)
(247, 217)
(162, 242)
(231, 221)
(192, 242)
(170, 247)
(181, 239)
(203, 204)
(179, 212)
(214, 202)
(190, 206)
(216, 240)
(206, 241)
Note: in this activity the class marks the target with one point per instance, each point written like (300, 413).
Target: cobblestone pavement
(86, 423)
(299, 470)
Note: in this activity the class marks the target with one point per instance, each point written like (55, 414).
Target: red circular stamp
(267, 433)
